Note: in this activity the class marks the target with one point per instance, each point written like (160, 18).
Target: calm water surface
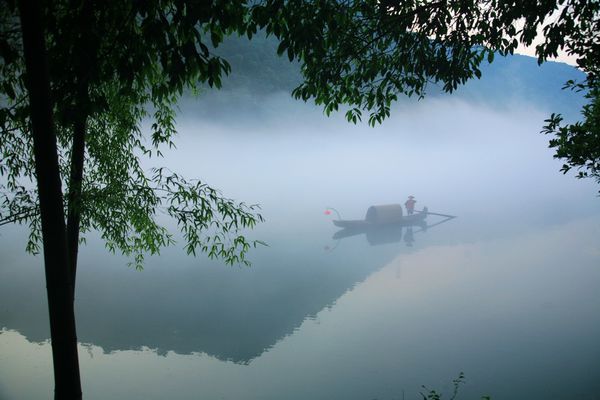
(507, 293)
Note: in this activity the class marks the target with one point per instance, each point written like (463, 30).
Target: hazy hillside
(519, 78)
(257, 71)
(256, 67)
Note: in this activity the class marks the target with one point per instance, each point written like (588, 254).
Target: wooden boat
(378, 216)
(413, 219)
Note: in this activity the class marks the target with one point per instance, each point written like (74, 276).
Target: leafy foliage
(577, 31)
(434, 395)
(431, 394)
(367, 53)
(579, 143)
(162, 50)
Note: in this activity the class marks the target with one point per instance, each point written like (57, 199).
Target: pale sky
(530, 50)
(562, 56)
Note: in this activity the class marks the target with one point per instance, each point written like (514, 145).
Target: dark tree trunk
(84, 45)
(75, 201)
(58, 278)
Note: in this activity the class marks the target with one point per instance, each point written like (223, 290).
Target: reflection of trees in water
(230, 314)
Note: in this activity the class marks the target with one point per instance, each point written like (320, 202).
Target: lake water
(507, 293)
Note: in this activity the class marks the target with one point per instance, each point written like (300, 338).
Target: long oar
(441, 215)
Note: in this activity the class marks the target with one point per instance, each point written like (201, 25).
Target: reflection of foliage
(579, 143)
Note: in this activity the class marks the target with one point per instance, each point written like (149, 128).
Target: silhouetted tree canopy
(111, 66)
(365, 54)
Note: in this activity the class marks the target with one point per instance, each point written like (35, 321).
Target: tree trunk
(75, 201)
(82, 65)
(58, 278)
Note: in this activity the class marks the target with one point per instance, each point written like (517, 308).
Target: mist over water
(472, 161)
(506, 292)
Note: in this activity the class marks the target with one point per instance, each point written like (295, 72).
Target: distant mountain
(257, 72)
(519, 78)
(256, 68)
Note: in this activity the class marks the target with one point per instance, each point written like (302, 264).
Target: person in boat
(410, 205)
